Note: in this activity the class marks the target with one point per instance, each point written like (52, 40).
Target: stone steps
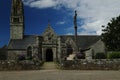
(71, 57)
(49, 66)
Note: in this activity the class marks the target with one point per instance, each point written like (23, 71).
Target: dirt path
(60, 75)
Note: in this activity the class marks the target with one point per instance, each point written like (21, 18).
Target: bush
(21, 57)
(100, 56)
(114, 55)
(3, 57)
(29, 58)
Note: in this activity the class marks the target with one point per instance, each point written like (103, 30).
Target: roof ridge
(80, 35)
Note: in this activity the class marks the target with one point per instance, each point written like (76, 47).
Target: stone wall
(20, 65)
(12, 55)
(16, 32)
(82, 64)
(98, 47)
(95, 64)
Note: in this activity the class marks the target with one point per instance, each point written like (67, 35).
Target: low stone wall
(95, 64)
(19, 65)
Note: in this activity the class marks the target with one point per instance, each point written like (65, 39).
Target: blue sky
(91, 16)
(36, 20)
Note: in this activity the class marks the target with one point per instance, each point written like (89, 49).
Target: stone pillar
(54, 54)
(75, 27)
(37, 40)
(59, 50)
(43, 54)
(88, 55)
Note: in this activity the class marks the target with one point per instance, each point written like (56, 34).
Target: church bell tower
(17, 20)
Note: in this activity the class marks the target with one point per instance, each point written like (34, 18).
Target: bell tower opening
(49, 55)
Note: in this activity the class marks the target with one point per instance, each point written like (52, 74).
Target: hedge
(114, 55)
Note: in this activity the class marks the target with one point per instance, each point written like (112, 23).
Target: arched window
(69, 50)
(93, 55)
(29, 52)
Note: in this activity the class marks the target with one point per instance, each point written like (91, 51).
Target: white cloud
(94, 12)
(61, 22)
(69, 34)
(41, 3)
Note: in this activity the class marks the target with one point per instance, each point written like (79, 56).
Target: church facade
(47, 46)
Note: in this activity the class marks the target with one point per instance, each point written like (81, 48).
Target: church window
(49, 38)
(14, 10)
(93, 54)
(29, 52)
(16, 20)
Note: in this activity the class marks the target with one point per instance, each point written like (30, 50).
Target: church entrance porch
(49, 55)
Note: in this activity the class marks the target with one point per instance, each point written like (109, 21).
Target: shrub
(3, 57)
(114, 55)
(29, 58)
(100, 56)
(21, 57)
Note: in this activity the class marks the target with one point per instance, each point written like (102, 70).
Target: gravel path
(60, 75)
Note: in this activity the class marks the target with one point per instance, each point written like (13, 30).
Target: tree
(111, 34)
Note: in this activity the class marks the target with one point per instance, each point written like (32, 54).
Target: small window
(93, 55)
(16, 20)
(49, 38)
(29, 52)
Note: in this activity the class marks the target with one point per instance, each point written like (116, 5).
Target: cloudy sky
(92, 14)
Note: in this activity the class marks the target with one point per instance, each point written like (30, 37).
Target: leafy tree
(111, 34)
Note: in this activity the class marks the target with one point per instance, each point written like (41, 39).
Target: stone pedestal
(88, 55)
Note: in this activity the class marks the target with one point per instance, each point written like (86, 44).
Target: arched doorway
(49, 55)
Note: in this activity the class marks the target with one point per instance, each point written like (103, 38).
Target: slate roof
(22, 44)
(84, 41)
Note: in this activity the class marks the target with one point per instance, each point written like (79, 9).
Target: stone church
(47, 46)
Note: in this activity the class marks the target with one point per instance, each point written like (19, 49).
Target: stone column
(54, 54)
(59, 50)
(43, 54)
(88, 55)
